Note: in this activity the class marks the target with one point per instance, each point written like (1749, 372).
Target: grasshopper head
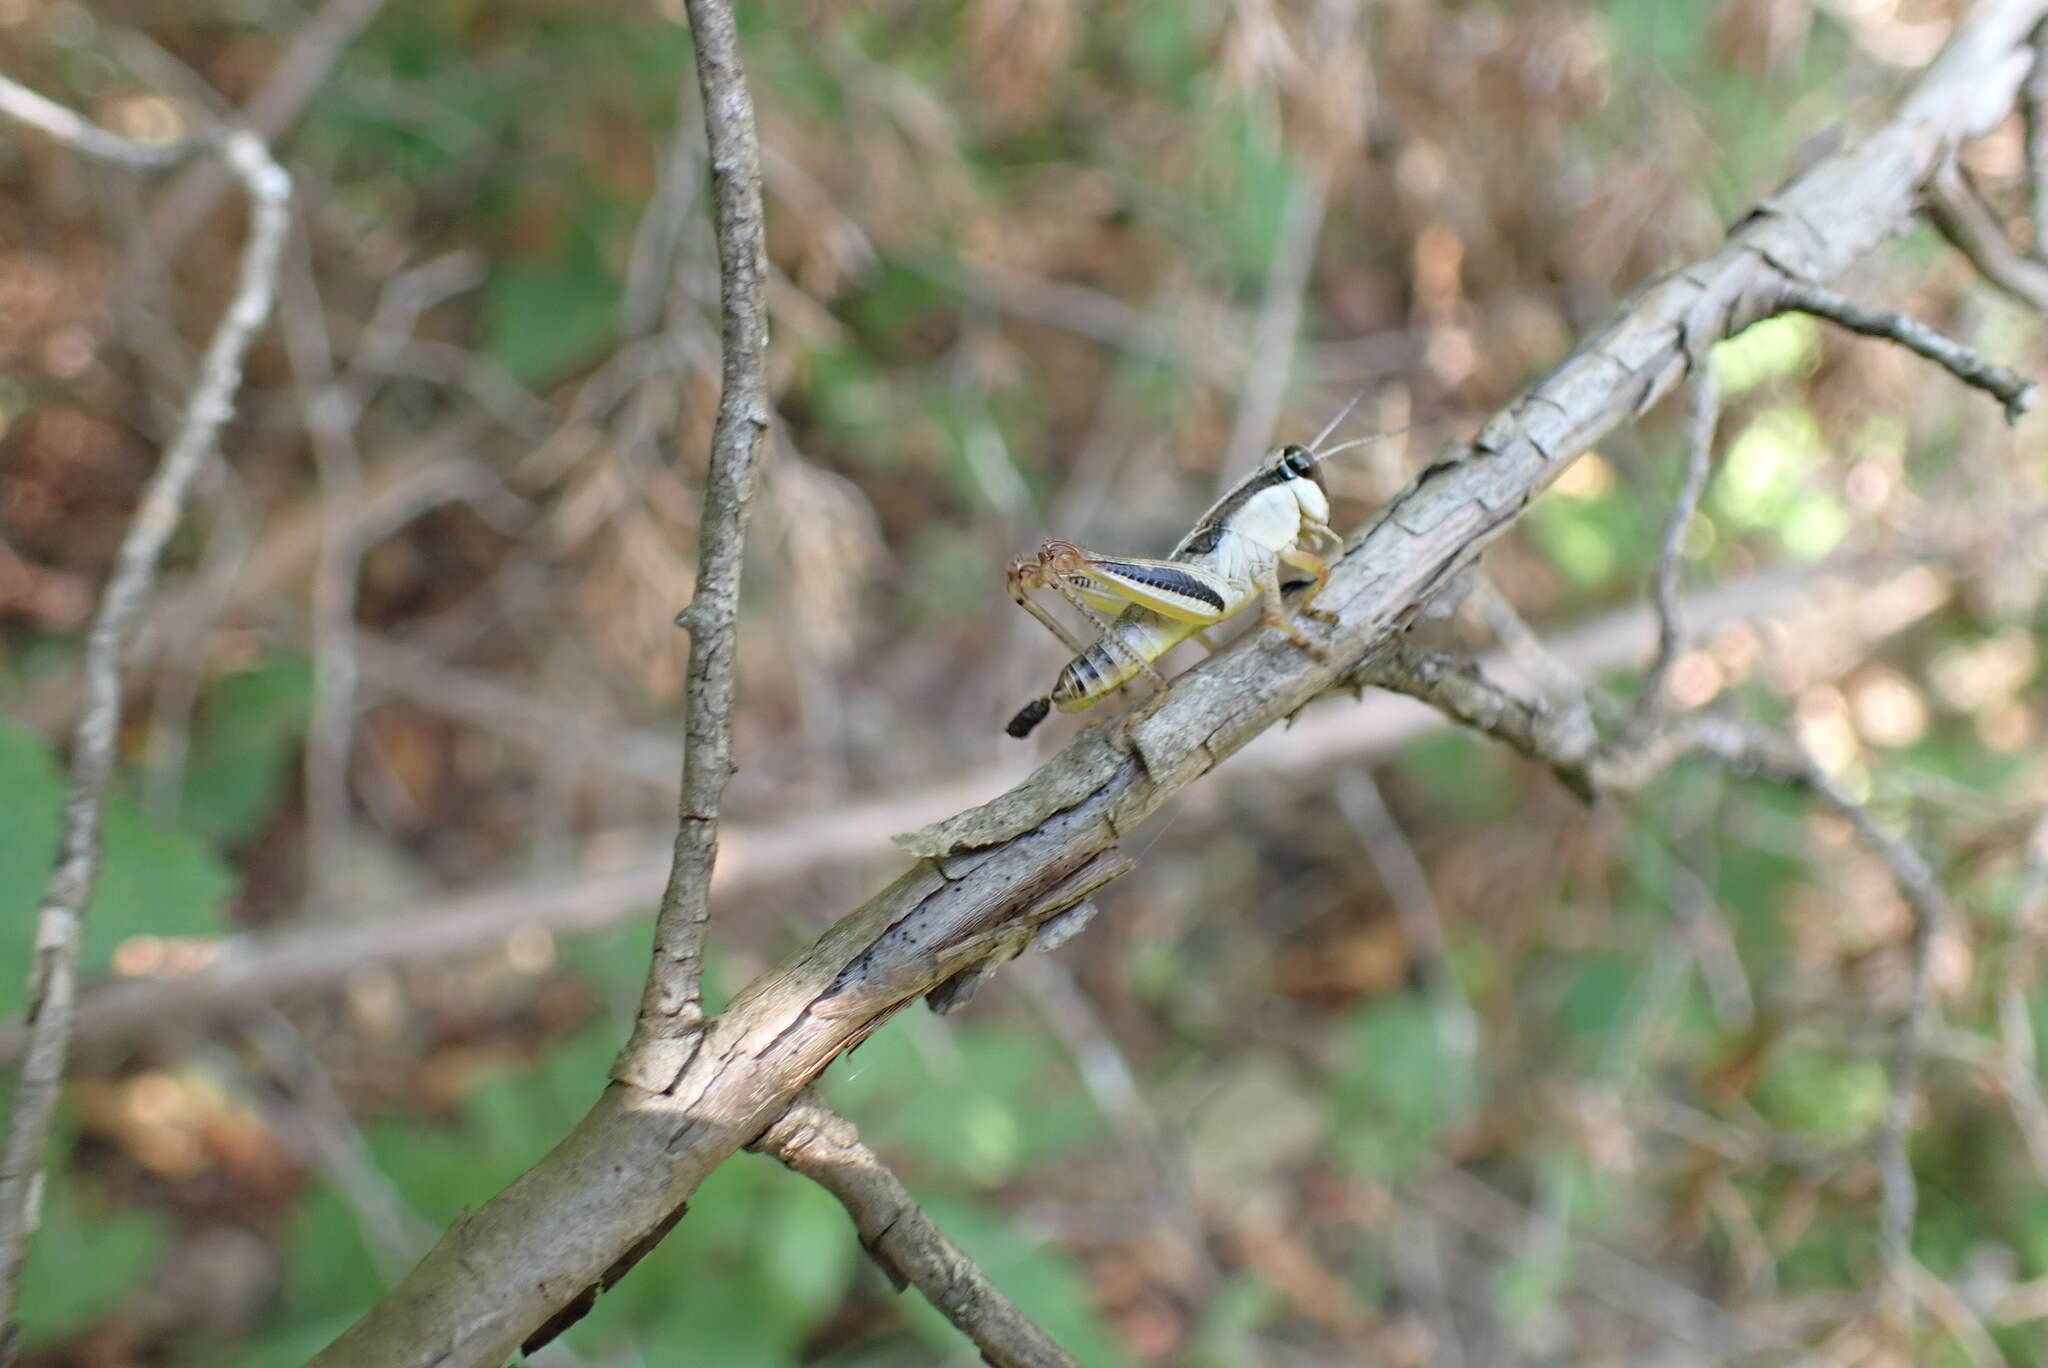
(1300, 476)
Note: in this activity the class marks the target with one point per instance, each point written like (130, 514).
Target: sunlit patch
(2007, 729)
(530, 950)
(1985, 673)
(164, 956)
(1696, 680)
(146, 119)
(1589, 477)
(1888, 710)
(1451, 355)
(1824, 727)
(1774, 349)
(1736, 649)
(373, 999)
(1869, 485)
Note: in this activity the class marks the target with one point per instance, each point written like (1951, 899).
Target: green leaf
(242, 749)
(152, 881)
(541, 317)
(1399, 1088)
(83, 1262)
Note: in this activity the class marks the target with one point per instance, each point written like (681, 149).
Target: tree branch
(823, 1146)
(671, 1009)
(2011, 389)
(618, 1178)
(1962, 218)
(60, 919)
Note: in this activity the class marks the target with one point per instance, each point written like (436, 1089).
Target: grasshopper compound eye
(1296, 461)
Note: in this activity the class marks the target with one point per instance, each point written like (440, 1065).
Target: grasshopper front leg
(1318, 571)
(1276, 614)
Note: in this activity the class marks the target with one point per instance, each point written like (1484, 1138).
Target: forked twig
(671, 1009)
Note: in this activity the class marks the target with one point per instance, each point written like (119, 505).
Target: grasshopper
(1232, 557)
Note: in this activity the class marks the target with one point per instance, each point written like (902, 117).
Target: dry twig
(1706, 415)
(2011, 389)
(59, 919)
(2034, 113)
(823, 1146)
(671, 1010)
(1966, 222)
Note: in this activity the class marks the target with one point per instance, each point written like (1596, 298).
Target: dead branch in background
(671, 1010)
(60, 918)
(986, 880)
(227, 977)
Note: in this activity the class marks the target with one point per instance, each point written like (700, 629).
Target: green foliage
(1766, 483)
(1473, 778)
(1398, 1088)
(86, 1258)
(1827, 1093)
(152, 881)
(1596, 540)
(763, 1257)
(973, 1106)
(543, 314)
(242, 749)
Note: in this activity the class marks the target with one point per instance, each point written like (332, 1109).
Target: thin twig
(291, 82)
(2010, 388)
(823, 1146)
(1407, 883)
(1558, 735)
(338, 466)
(671, 1009)
(59, 920)
(1706, 416)
(1963, 218)
(2015, 1016)
(2034, 113)
(23, 105)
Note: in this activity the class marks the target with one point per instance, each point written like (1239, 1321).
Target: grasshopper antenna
(1360, 441)
(1315, 447)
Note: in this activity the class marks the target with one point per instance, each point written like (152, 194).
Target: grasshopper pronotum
(1232, 557)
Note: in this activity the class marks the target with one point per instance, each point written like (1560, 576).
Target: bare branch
(823, 1146)
(1966, 222)
(23, 105)
(671, 1010)
(1706, 416)
(1561, 737)
(297, 76)
(1407, 883)
(2010, 388)
(2034, 115)
(59, 920)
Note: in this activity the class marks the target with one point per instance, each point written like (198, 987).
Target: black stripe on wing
(1165, 577)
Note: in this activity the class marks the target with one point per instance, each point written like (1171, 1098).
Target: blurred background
(1390, 1050)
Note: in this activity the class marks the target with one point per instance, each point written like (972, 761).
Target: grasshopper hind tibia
(1029, 716)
